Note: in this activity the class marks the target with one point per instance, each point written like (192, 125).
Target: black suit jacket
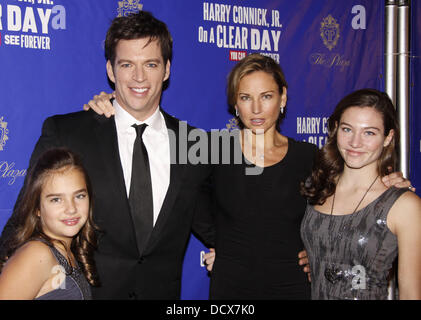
(123, 272)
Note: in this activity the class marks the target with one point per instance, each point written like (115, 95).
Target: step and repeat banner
(52, 62)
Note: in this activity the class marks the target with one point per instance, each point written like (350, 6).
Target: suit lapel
(176, 173)
(106, 135)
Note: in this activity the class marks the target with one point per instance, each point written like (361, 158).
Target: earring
(236, 113)
(282, 109)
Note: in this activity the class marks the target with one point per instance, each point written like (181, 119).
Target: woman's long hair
(329, 163)
(29, 223)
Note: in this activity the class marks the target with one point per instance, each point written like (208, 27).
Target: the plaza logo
(330, 34)
(3, 133)
(329, 31)
(126, 7)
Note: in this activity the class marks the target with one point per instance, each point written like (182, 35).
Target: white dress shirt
(156, 140)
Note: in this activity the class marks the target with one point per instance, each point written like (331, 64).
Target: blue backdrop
(415, 110)
(52, 61)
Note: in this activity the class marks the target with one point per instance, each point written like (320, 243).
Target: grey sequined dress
(351, 255)
(75, 286)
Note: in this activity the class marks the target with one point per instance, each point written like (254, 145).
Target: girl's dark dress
(258, 220)
(75, 286)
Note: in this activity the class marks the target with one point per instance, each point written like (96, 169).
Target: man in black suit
(138, 49)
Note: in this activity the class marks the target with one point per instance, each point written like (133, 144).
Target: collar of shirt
(156, 140)
(124, 122)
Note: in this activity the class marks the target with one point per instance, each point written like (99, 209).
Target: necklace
(333, 200)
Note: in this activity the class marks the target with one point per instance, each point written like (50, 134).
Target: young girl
(51, 254)
(354, 226)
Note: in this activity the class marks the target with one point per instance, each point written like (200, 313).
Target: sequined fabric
(76, 287)
(351, 255)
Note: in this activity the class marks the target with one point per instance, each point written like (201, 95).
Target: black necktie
(140, 197)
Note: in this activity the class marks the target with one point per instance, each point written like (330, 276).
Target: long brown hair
(29, 224)
(329, 164)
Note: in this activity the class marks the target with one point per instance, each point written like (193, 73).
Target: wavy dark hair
(252, 63)
(136, 26)
(29, 224)
(329, 163)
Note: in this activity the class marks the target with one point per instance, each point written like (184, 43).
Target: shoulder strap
(388, 198)
(57, 255)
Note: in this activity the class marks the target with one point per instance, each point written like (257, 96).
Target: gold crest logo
(3, 133)
(126, 7)
(329, 31)
(233, 124)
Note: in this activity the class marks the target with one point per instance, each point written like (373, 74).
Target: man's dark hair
(137, 26)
